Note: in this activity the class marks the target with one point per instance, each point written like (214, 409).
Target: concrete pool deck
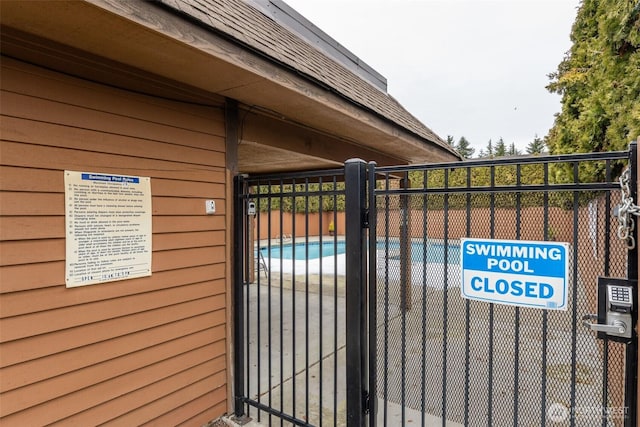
(280, 393)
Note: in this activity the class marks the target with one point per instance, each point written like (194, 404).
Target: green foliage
(599, 80)
(500, 148)
(299, 198)
(536, 146)
(464, 148)
(530, 174)
(487, 151)
(451, 141)
(505, 176)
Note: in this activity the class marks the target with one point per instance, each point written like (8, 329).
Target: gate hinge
(366, 402)
(366, 219)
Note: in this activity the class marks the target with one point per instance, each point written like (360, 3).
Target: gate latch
(616, 316)
(251, 208)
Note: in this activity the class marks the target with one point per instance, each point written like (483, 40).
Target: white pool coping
(431, 274)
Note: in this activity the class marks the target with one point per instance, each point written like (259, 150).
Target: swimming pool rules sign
(108, 227)
(515, 272)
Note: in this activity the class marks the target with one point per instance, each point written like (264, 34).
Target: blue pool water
(435, 251)
(287, 251)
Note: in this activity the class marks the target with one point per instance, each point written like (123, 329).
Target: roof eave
(241, 74)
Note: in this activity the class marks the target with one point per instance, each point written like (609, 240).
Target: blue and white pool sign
(515, 272)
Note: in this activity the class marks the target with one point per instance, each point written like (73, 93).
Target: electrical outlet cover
(210, 206)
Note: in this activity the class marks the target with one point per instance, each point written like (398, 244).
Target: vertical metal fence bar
(238, 309)
(373, 296)
(306, 298)
(320, 299)
(335, 306)
(247, 277)
(294, 200)
(516, 356)
(492, 226)
(423, 359)
(545, 314)
(386, 304)
(255, 267)
(269, 302)
(255, 243)
(355, 199)
(631, 351)
(607, 234)
(281, 223)
(574, 297)
(607, 222)
(467, 311)
(445, 299)
(607, 263)
(405, 295)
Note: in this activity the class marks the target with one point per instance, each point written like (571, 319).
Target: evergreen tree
(536, 146)
(599, 80)
(501, 148)
(464, 148)
(451, 141)
(489, 149)
(513, 151)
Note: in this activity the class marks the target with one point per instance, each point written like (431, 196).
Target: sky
(472, 68)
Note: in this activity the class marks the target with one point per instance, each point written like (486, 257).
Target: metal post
(356, 293)
(405, 247)
(631, 362)
(238, 297)
(373, 289)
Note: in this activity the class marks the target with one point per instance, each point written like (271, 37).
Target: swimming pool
(280, 259)
(303, 250)
(312, 250)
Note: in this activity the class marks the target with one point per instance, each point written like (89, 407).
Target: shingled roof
(250, 27)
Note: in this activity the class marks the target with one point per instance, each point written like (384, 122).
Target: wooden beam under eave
(264, 130)
(258, 158)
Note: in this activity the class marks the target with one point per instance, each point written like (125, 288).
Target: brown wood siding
(148, 350)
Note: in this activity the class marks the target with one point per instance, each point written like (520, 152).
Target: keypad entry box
(617, 308)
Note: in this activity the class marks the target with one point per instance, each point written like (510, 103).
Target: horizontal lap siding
(147, 350)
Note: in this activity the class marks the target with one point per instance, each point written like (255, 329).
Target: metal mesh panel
(436, 357)
(441, 357)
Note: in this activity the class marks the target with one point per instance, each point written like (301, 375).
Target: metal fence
(290, 299)
(363, 322)
(440, 358)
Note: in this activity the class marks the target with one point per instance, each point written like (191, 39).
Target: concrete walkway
(316, 393)
(306, 356)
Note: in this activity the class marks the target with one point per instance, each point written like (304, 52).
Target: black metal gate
(289, 298)
(399, 345)
(440, 359)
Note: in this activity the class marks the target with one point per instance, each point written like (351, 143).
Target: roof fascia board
(285, 15)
